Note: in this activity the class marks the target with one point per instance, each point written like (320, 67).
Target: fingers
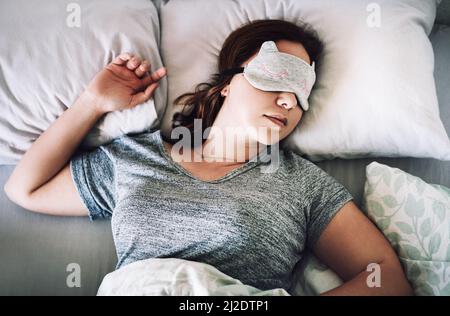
(134, 63)
(129, 60)
(122, 58)
(142, 69)
(143, 96)
(154, 77)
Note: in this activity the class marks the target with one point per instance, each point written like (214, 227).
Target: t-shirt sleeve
(327, 196)
(93, 174)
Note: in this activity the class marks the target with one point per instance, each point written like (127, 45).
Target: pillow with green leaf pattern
(415, 217)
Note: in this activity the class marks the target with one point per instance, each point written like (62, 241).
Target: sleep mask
(272, 70)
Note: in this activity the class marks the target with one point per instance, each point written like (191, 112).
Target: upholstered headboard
(443, 13)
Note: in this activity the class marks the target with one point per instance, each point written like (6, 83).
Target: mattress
(37, 250)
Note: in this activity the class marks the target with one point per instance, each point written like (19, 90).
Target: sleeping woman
(218, 209)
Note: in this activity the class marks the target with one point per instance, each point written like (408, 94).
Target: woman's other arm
(349, 244)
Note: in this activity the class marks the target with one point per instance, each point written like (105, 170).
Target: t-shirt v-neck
(261, 157)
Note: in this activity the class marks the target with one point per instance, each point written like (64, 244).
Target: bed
(36, 250)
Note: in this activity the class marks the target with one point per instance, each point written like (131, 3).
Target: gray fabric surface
(36, 249)
(251, 225)
(443, 13)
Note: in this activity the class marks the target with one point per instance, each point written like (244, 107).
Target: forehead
(288, 47)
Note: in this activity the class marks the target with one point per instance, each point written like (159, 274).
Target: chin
(269, 135)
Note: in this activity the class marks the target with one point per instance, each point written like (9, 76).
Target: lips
(277, 119)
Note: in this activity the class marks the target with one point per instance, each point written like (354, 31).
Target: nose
(287, 99)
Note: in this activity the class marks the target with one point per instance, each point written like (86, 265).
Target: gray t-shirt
(251, 225)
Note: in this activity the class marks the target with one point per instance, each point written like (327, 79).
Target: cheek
(298, 114)
(294, 119)
(245, 100)
(243, 87)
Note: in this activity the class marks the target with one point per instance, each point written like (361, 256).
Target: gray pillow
(46, 61)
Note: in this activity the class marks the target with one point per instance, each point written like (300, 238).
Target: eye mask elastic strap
(232, 71)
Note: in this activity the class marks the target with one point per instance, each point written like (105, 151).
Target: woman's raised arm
(42, 174)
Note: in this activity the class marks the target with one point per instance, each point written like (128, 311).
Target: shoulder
(305, 176)
(294, 164)
(130, 140)
(129, 145)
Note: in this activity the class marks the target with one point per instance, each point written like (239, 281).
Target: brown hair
(206, 101)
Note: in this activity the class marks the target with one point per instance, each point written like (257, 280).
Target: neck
(228, 141)
(228, 148)
(215, 150)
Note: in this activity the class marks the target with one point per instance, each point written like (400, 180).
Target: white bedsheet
(176, 277)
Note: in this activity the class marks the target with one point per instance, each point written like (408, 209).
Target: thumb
(144, 96)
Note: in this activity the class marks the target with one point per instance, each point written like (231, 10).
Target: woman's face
(251, 106)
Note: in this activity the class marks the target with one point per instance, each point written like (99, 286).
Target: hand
(124, 83)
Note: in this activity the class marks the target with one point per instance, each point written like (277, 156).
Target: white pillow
(45, 64)
(375, 94)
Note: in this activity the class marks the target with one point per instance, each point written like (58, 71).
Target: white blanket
(176, 277)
